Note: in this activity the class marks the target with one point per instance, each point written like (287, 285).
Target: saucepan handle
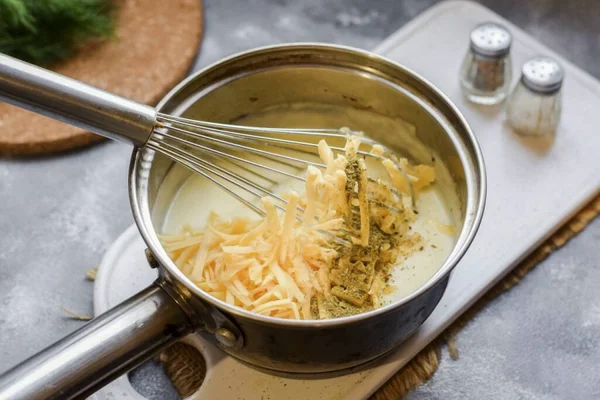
(102, 350)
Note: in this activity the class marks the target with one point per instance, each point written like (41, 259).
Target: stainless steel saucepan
(172, 307)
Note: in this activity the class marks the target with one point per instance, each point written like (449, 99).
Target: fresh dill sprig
(43, 32)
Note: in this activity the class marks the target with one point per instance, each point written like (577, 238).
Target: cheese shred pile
(332, 261)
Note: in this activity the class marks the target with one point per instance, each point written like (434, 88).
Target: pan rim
(475, 201)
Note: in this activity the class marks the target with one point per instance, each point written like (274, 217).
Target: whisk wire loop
(237, 158)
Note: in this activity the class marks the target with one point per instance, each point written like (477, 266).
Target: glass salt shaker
(486, 70)
(535, 104)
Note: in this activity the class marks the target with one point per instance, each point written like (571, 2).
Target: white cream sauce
(197, 197)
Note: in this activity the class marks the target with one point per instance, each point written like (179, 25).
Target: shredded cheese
(280, 265)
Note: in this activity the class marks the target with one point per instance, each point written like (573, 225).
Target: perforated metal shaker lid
(490, 39)
(542, 74)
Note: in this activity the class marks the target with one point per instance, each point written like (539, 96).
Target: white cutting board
(530, 195)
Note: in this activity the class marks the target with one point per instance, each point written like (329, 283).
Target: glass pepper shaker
(486, 70)
(535, 105)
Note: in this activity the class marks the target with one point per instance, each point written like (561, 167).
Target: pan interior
(188, 198)
(394, 115)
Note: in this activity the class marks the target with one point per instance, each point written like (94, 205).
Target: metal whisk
(245, 161)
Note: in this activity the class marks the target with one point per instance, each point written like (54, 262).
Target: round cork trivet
(180, 360)
(156, 42)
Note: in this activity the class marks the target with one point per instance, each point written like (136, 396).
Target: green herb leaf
(47, 31)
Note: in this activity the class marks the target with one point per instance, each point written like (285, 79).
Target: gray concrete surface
(58, 215)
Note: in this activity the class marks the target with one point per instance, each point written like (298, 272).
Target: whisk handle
(74, 102)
